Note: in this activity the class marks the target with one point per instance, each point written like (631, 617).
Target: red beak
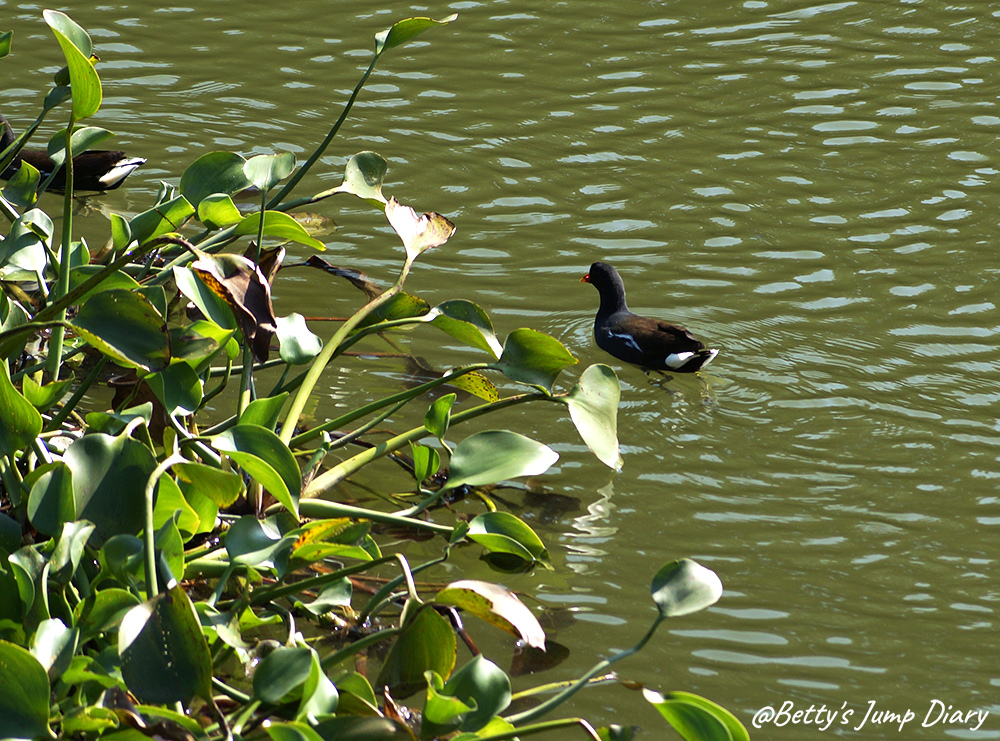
(585, 279)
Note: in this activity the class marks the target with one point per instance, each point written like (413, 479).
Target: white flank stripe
(627, 338)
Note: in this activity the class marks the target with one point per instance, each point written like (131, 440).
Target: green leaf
(222, 487)
(165, 657)
(84, 138)
(161, 219)
(419, 233)
(24, 703)
(118, 279)
(109, 481)
(268, 460)
(264, 412)
(218, 210)
(298, 345)
(5, 39)
(696, 718)
(77, 48)
(69, 550)
(404, 30)
(22, 189)
(20, 422)
(45, 397)
(438, 416)
(254, 543)
(468, 323)
(496, 455)
(178, 388)
(442, 713)
(363, 177)
(593, 406)
(427, 643)
(278, 224)
(170, 502)
(102, 612)
(280, 675)
(497, 606)
(125, 326)
(53, 645)
(267, 170)
(426, 462)
(121, 232)
(212, 173)
(534, 358)
(51, 502)
(483, 684)
(684, 586)
(22, 254)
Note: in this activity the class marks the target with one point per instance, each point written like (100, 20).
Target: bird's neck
(612, 302)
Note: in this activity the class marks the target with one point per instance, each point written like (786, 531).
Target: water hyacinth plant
(165, 572)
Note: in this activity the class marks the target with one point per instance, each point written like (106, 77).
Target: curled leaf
(496, 605)
(419, 233)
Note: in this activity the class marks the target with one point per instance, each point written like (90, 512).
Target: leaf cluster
(167, 570)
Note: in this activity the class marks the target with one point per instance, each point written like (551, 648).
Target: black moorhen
(648, 343)
(96, 169)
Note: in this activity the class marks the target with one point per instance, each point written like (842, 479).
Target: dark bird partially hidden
(96, 169)
(648, 343)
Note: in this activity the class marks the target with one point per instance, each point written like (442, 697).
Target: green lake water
(812, 188)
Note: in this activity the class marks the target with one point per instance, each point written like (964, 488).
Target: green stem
(300, 173)
(149, 534)
(544, 708)
(59, 333)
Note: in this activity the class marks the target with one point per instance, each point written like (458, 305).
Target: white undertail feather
(121, 170)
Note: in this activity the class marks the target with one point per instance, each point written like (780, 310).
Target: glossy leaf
(419, 233)
(161, 219)
(121, 232)
(54, 645)
(222, 487)
(5, 39)
(77, 48)
(281, 225)
(102, 611)
(22, 189)
(109, 480)
(442, 713)
(502, 532)
(255, 543)
(44, 397)
(51, 502)
(532, 357)
(20, 422)
(24, 703)
(363, 177)
(208, 302)
(267, 170)
(84, 138)
(468, 323)
(496, 605)
(268, 460)
(125, 326)
(404, 30)
(438, 416)
(483, 684)
(476, 384)
(217, 210)
(170, 504)
(165, 657)
(215, 172)
(426, 462)
(118, 280)
(178, 388)
(69, 550)
(696, 718)
(593, 406)
(684, 586)
(496, 455)
(427, 643)
(298, 345)
(264, 411)
(280, 675)
(22, 253)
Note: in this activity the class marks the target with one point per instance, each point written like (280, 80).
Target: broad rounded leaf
(24, 703)
(298, 345)
(427, 643)
(165, 657)
(593, 406)
(84, 138)
(483, 683)
(532, 357)
(363, 177)
(281, 225)
(54, 645)
(497, 606)
(267, 170)
(696, 717)
(178, 388)
(51, 502)
(419, 233)
(502, 532)
(438, 416)
(161, 219)
(468, 323)
(222, 487)
(268, 460)
(685, 586)
(125, 326)
(497, 455)
(215, 172)
(218, 210)
(281, 673)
